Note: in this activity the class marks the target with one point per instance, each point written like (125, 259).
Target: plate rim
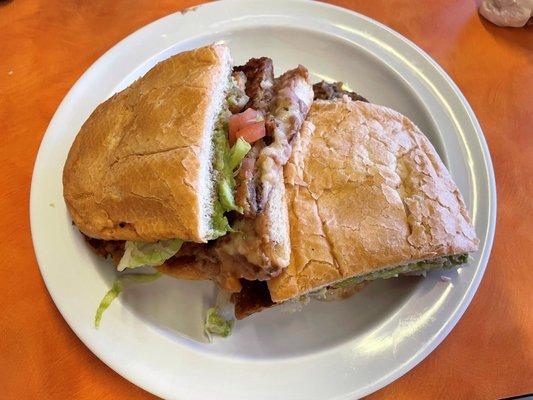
(487, 162)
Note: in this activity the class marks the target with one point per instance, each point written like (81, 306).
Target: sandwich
(206, 170)
(185, 166)
(368, 198)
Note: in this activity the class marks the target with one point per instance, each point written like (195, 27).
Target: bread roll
(140, 167)
(366, 191)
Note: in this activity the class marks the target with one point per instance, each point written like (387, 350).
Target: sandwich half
(141, 168)
(191, 152)
(368, 198)
(258, 247)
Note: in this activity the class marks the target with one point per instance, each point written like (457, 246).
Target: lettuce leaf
(215, 324)
(238, 152)
(118, 287)
(226, 161)
(137, 254)
(220, 318)
(219, 223)
(222, 165)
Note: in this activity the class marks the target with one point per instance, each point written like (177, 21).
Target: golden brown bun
(366, 190)
(139, 168)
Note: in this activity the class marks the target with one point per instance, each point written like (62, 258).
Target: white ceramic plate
(336, 350)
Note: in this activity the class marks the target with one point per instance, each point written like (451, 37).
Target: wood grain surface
(45, 45)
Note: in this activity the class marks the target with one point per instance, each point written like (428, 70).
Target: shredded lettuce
(219, 223)
(137, 254)
(226, 161)
(226, 181)
(220, 318)
(118, 287)
(111, 295)
(225, 196)
(237, 153)
(215, 324)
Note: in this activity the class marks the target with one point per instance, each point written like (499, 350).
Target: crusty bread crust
(139, 167)
(272, 226)
(366, 190)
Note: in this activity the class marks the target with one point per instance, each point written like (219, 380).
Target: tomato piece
(239, 121)
(252, 132)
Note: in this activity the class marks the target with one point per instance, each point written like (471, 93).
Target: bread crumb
(445, 278)
(52, 205)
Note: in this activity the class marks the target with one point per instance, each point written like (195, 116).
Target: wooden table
(46, 45)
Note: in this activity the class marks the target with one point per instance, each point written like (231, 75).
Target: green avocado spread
(446, 262)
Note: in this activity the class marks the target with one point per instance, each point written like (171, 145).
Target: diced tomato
(252, 132)
(239, 121)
